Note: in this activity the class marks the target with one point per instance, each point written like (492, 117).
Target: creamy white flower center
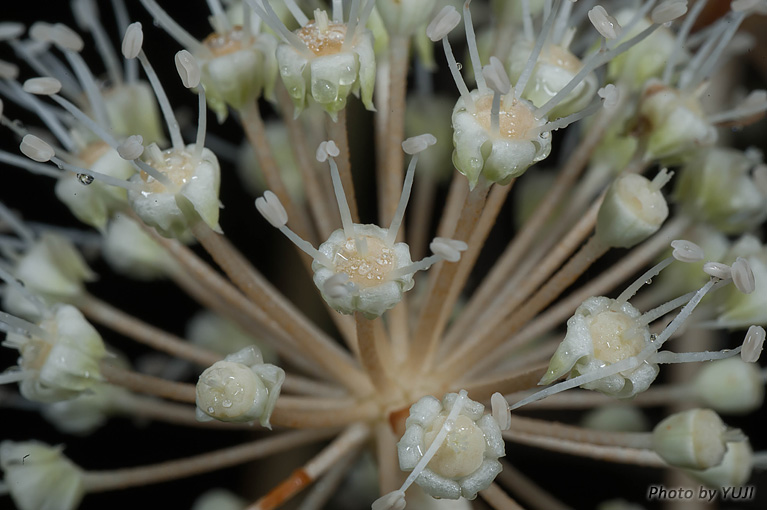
(515, 118)
(615, 336)
(366, 259)
(463, 450)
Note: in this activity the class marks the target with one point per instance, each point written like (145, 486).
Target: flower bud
(237, 69)
(53, 269)
(130, 251)
(730, 386)
(96, 203)
(633, 209)
(63, 362)
(241, 388)
(694, 439)
(673, 122)
(404, 17)
(716, 186)
(39, 476)
(555, 67)
(733, 471)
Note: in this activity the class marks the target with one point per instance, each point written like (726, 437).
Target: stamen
(106, 179)
(42, 86)
(187, 68)
(753, 343)
(29, 166)
(695, 75)
(327, 151)
(501, 412)
(442, 24)
(297, 13)
(717, 270)
(36, 149)
(607, 26)
(686, 251)
(92, 91)
(668, 11)
(743, 276)
(87, 16)
(563, 122)
(132, 148)
(413, 146)
(11, 30)
(659, 311)
(644, 279)
(521, 84)
(471, 41)
(443, 249)
(755, 103)
(175, 30)
(527, 21)
(221, 23)
(338, 11)
(47, 115)
(681, 37)
(16, 225)
(358, 24)
(593, 62)
(273, 211)
(132, 41)
(560, 30)
(36, 301)
(269, 17)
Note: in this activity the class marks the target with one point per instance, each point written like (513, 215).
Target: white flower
(39, 477)
(241, 388)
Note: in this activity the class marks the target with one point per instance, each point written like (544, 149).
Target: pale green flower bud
(328, 68)
(498, 157)
(195, 186)
(602, 332)
(249, 168)
(87, 412)
(367, 271)
(241, 388)
(716, 186)
(736, 308)
(733, 471)
(51, 268)
(132, 110)
(237, 69)
(130, 251)
(633, 209)
(404, 17)
(219, 499)
(647, 59)
(38, 476)
(223, 336)
(617, 418)
(730, 386)
(467, 460)
(673, 122)
(60, 360)
(96, 202)
(694, 439)
(554, 69)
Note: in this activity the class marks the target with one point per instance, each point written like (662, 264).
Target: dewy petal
(364, 49)
(295, 74)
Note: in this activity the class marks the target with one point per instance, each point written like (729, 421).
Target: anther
(36, 149)
(132, 41)
(42, 86)
(743, 276)
(668, 11)
(717, 270)
(188, 69)
(686, 251)
(443, 23)
(132, 148)
(607, 26)
(753, 343)
(272, 210)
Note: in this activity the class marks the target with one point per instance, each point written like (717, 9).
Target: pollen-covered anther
(448, 249)
(686, 251)
(132, 148)
(501, 412)
(743, 276)
(132, 41)
(607, 26)
(443, 23)
(36, 149)
(668, 11)
(420, 143)
(272, 209)
(753, 344)
(496, 76)
(610, 95)
(717, 270)
(188, 69)
(43, 86)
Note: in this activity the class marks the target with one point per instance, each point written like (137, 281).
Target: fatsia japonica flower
(486, 210)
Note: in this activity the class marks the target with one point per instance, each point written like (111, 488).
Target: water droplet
(227, 403)
(648, 281)
(460, 66)
(85, 179)
(211, 410)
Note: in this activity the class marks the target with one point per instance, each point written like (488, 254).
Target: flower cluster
(385, 350)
